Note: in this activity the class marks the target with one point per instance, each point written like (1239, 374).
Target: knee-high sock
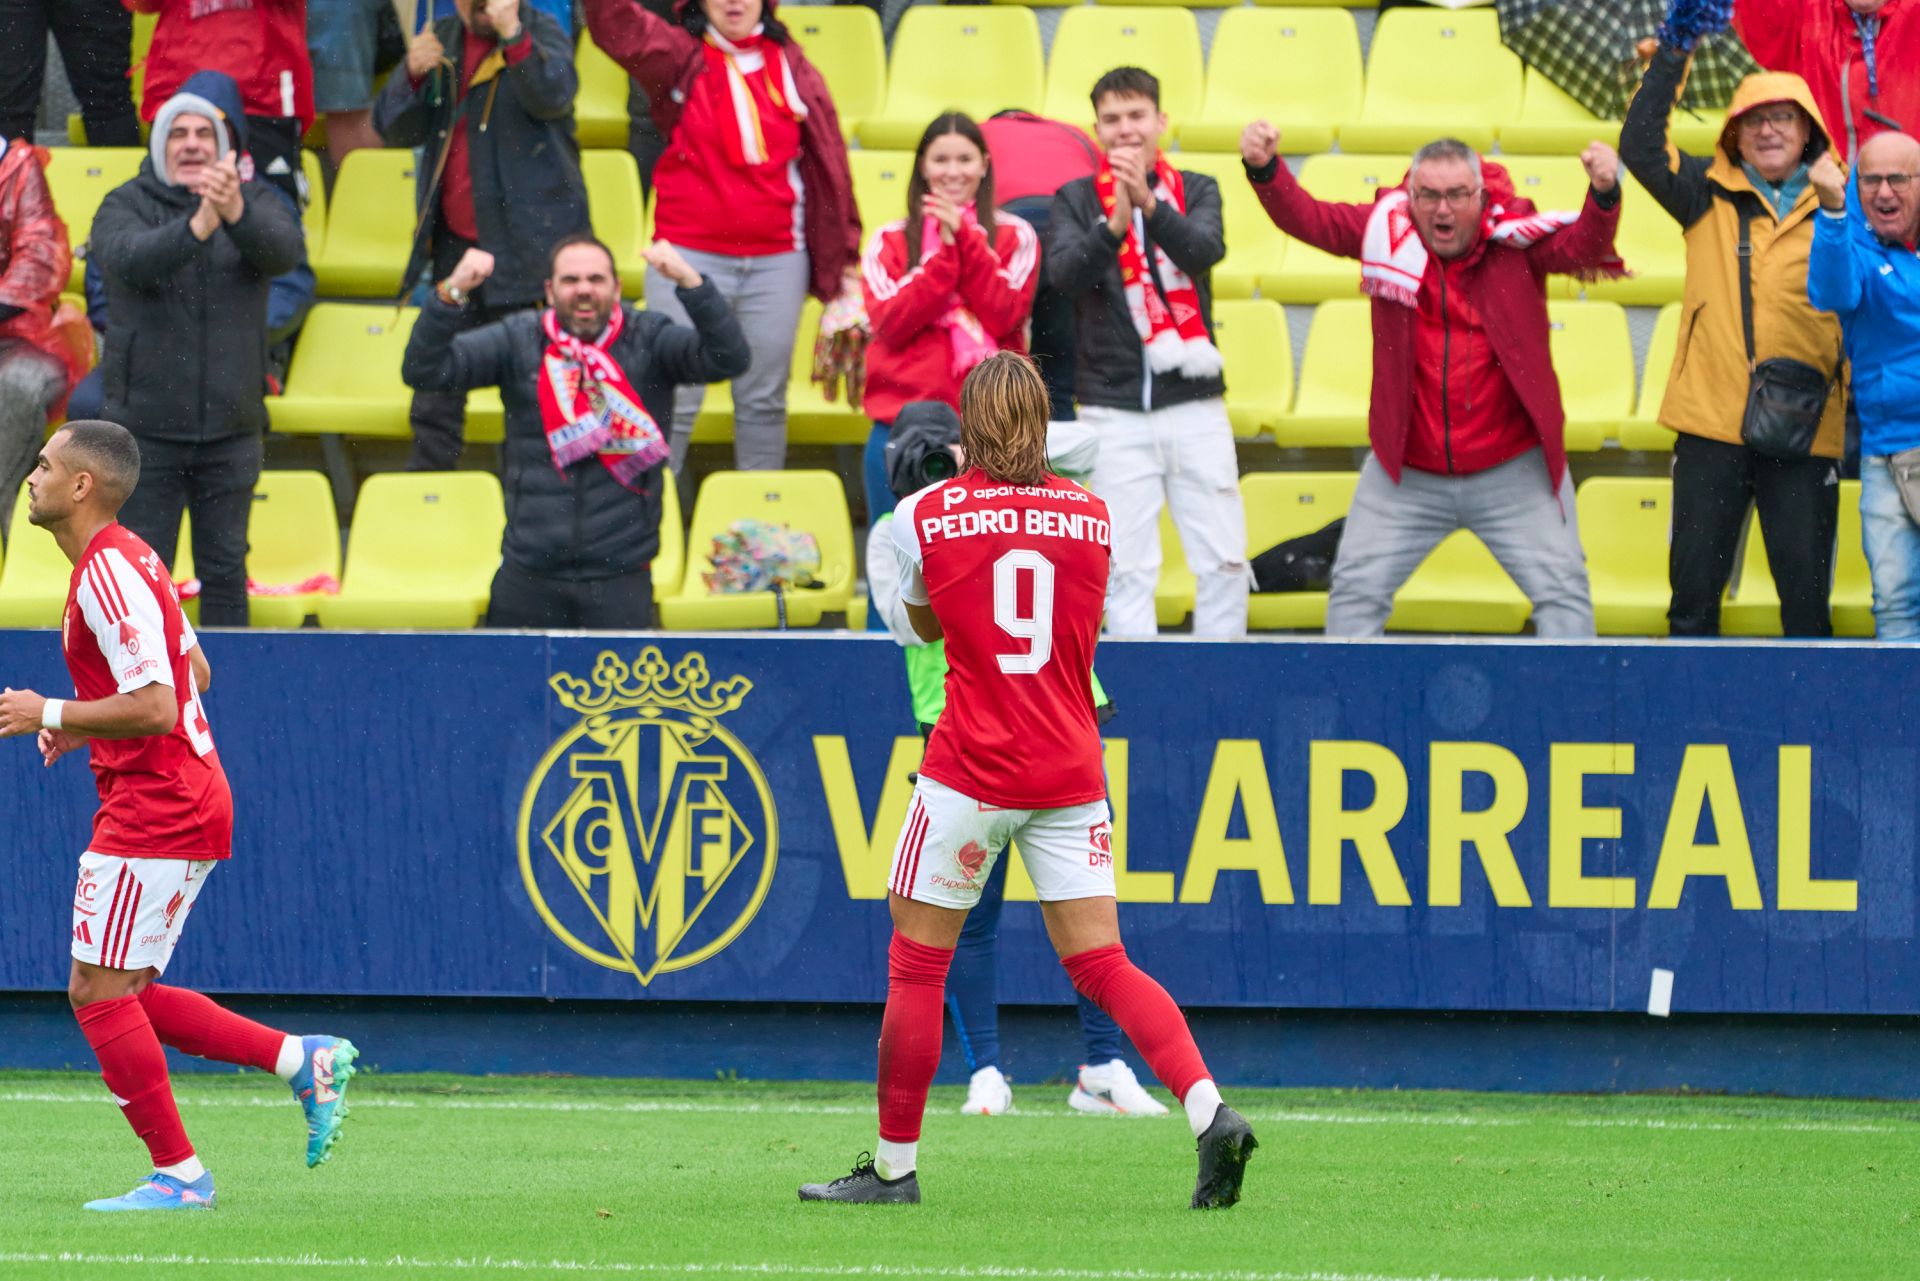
(135, 1069)
(195, 1025)
(1144, 1010)
(910, 1034)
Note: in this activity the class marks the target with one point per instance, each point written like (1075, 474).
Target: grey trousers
(1511, 508)
(30, 381)
(766, 294)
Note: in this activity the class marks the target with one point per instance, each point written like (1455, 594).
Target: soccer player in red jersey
(1009, 563)
(165, 821)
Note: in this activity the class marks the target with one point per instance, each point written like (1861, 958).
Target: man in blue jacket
(1864, 270)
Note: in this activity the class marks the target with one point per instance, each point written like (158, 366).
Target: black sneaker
(865, 1184)
(1224, 1151)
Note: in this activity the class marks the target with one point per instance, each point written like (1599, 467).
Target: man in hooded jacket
(1755, 180)
(189, 249)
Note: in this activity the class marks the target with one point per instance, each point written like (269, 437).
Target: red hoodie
(910, 357)
(262, 44)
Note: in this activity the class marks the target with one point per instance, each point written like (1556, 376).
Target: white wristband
(50, 714)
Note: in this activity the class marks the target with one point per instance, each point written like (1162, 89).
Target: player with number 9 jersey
(1018, 578)
(160, 797)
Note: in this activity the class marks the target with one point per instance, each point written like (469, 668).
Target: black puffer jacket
(580, 523)
(186, 354)
(525, 164)
(1083, 260)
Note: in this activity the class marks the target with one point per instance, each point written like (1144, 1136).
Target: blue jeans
(1892, 544)
(974, 979)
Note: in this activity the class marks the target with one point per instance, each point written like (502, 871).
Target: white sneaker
(1112, 1089)
(988, 1094)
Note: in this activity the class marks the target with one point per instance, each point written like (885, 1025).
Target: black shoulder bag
(1786, 398)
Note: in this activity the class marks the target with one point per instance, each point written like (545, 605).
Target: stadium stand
(1623, 523)
(35, 573)
(369, 340)
(422, 552)
(1551, 122)
(600, 105)
(814, 501)
(1256, 249)
(1308, 274)
(79, 178)
(1299, 68)
(1283, 505)
(1459, 588)
(976, 60)
(1252, 336)
(1593, 355)
(812, 419)
(1643, 430)
(880, 185)
(1335, 376)
(845, 43)
(1435, 73)
(293, 538)
(619, 213)
(1653, 247)
(370, 224)
(1093, 40)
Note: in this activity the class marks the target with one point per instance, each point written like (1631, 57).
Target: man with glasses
(1863, 269)
(1749, 212)
(1466, 422)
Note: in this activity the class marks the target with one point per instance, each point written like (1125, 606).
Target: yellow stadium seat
(812, 419)
(1185, 4)
(814, 501)
(1173, 594)
(1852, 599)
(1551, 122)
(1553, 183)
(422, 552)
(1593, 355)
(1643, 430)
(1321, 4)
(1299, 68)
(1434, 74)
(1336, 378)
(1252, 336)
(880, 181)
(670, 562)
(618, 211)
(1460, 588)
(1092, 41)
(1256, 249)
(1653, 247)
(600, 104)
(956, 58)
(345, 378)
(293, 535)
(313, 219)
(34, 575)
(1625, 526)
(1284, 505)
(370, 224)
(79, 178)
(844, 42)
(1308, 274)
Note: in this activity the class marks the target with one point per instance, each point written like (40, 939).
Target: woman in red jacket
(753, 188)
(946, 286)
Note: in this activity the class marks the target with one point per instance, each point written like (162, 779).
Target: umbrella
(1587, 47)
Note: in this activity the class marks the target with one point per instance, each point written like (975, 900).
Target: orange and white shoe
(988, 1094)
(1111, 1089)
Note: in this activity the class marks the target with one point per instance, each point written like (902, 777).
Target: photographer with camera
(923, 448)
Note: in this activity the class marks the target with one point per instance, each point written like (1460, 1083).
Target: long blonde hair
(1003, 419)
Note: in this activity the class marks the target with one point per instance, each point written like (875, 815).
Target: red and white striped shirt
(160, 797)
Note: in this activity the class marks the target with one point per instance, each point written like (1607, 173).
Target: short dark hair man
(1134, 244)
(586, 384)
(189, 250)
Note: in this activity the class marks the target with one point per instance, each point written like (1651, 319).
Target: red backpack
(1035, 156)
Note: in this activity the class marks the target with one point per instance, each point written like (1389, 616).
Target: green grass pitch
(476, 1177)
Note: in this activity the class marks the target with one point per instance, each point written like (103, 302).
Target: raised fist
(1259, 143)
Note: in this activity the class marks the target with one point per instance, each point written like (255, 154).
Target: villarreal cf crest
(647, 834)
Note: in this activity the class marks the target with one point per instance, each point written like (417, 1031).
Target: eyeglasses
(1427, 198)
(1781, 118)
(1896, 181)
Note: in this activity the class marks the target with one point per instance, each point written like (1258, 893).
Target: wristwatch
(452, 295)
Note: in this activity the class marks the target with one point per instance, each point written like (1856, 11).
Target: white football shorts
(128, 912)
(950, 842)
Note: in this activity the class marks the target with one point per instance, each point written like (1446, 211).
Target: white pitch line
(885, 1271)
(1282, 1117)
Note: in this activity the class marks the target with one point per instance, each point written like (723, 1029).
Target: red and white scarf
(1164, 303)
(766, 63)
(1393, 258)
(588, 407)
(968, 342)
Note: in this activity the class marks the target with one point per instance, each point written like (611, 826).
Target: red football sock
(191, 1023)
(910, 1034)
(135, 1069)
(1143, 1010)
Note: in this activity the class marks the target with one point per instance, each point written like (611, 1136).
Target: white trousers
(1182, 456)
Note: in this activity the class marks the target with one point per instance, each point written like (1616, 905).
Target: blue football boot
(321, 1087)
(163, 1192)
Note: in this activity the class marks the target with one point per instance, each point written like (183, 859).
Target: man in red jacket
(1861, 58)
(1466, 422)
